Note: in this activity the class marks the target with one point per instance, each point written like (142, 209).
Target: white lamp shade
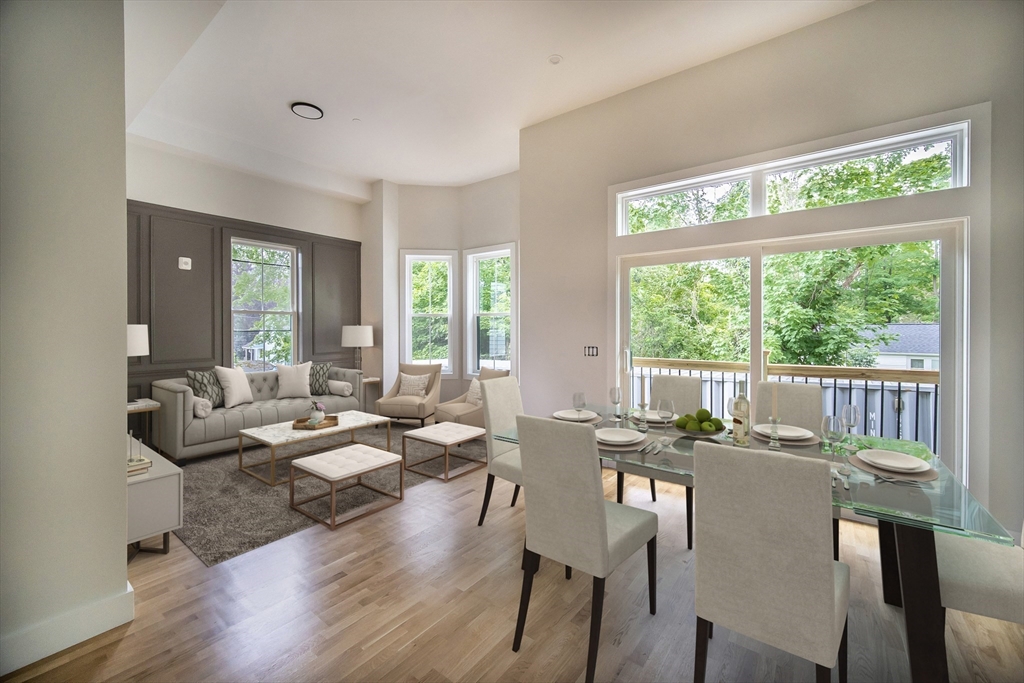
(357, 335)
(138, 340)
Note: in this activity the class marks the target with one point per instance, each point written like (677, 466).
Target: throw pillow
(413, 385)
(201, 407)
(474, 395)
(318, 379)
(339, 388)
(293, 380)
(204, 384)
(235, 384)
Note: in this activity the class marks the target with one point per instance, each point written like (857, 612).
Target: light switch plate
(184, 263)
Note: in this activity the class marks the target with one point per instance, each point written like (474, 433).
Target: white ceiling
(442, 88)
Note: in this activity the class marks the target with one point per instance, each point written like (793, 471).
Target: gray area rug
(227, 512)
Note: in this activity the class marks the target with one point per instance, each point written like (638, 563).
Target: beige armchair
(412, 407)
(459, 410)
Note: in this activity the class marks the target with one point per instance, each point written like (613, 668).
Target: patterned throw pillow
(204, 384)
(413, 385)
(318, 379)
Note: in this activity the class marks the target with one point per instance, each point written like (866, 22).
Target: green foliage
(892, 174)
(692, 310)
(710, 204)
(261, 280)
(429, 298)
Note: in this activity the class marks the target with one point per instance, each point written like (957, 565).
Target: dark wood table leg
(922, 604)
(891, 591)
(620, 483)
(689, 518)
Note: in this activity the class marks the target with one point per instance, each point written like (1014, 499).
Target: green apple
(708, 427)
(703, 415)
(718, 423)
(682, 422)
(693, 426)
(690, 418)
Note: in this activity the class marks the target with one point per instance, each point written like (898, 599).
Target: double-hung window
(263, 305)
(428, 304)
(490, 308)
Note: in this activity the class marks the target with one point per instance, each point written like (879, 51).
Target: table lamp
(138, 340)
(357, 336)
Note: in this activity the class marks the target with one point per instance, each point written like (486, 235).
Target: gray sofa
(182, 435)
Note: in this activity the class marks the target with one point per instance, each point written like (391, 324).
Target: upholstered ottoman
(333, 467)
(446, 434)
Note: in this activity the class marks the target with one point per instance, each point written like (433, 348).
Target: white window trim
(958, 133)
(294, 294)
(970, 204)
(451, 256)
(470, 257)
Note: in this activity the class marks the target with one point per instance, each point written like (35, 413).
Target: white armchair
(412, 407)
(460, 410)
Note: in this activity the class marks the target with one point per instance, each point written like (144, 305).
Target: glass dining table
(909, 513)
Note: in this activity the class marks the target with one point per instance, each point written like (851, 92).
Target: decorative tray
(303, 423)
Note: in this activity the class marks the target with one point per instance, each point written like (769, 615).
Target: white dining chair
(502, 403)
(981, 577)
(763, 565)
(685, 393)
(569, 521)
(800, 405)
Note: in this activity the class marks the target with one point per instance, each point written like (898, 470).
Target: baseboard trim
(64, 630)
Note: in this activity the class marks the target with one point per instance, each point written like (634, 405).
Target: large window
(897, 166)
(427, 307)
(263, 309)
(490, 306)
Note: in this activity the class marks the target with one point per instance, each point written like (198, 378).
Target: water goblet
(666, 409)
(773, 444)
(641, 425)
(579, 402)
(615, 396)
(851, 418)
(832, 429)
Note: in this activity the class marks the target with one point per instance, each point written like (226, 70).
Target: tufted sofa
(184, 436)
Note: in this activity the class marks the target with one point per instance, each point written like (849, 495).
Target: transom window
(263, 305)
(912, 163)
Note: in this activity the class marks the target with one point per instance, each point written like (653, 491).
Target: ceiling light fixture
(555, 59)
(307, 110)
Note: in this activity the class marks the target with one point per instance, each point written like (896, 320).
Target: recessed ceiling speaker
(307, 110)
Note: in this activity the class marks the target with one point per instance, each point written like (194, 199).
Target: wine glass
(832, 430)
(851, 418)
(666, 409)
(615, 396)
(579, 402)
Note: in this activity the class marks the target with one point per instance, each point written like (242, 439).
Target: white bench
(333, 467)
(445, 434)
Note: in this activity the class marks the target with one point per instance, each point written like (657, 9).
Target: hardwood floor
(419, 592)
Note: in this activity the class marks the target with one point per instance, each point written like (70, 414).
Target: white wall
(62, 277)
(878, 64)
(162, 177)
(489, 212)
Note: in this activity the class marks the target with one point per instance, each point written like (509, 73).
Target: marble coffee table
(282, 434)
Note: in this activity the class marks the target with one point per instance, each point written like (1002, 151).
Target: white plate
(618, 437)
(785, 432)
(573, 416)
(893, 461)
(652, 416)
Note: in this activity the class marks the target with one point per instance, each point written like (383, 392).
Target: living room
(457, 136)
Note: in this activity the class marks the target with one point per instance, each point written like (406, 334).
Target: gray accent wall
(189, 311)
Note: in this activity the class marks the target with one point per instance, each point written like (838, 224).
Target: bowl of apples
(700, 425)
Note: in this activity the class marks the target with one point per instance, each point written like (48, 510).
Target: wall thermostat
(184, 263)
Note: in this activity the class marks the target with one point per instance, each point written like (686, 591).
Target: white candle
(775, 400)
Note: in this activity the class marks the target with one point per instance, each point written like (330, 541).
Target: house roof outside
(913, 338)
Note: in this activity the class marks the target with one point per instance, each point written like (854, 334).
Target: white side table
(154, 503)
(375, 381)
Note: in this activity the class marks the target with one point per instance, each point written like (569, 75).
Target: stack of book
(140, 466)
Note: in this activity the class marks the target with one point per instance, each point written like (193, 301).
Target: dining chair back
(800, 405)
(764, 564)
(565, 517)
(684, 392)
(501, 404)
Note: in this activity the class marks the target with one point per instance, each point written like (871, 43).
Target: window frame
(957, 133)
(407, 258)
(294, 289)
(471, 259)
